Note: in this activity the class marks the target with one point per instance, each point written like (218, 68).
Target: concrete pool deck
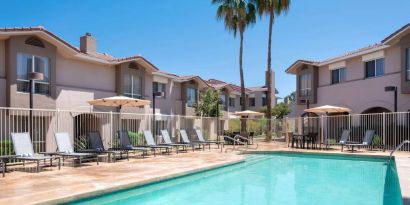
(52, 186)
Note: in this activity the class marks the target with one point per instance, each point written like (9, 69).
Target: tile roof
(218, 84)
(383, 44)
(102, 56)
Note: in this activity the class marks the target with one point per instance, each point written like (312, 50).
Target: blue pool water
(273, 179)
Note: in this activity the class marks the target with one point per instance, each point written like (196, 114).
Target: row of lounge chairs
(24, 151)
(344, 140)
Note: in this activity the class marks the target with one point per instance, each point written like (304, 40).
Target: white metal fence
(391, 128)
(44, 123)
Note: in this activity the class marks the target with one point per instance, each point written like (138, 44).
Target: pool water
(274, 179)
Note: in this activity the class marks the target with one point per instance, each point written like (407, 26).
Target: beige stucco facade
(76, 77)
(357, 92)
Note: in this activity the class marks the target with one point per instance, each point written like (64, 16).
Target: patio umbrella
(248, 113)
(119, 101)
(328, 109)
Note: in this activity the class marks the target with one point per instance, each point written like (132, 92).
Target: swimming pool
(283, 178)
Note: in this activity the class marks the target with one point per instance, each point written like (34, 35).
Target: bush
(136, 137)
(6, 147)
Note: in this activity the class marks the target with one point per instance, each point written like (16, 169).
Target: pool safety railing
(397, 148)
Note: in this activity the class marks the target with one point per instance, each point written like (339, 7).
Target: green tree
(279, 111)
(207, 105)
(237, 15)
(270, 8)
(290, 98)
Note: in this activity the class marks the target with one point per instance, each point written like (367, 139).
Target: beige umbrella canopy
(119, 101)
(328, 109)
(248, 113)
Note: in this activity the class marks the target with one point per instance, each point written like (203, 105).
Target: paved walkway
(52, 185)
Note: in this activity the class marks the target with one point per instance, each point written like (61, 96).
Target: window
(133, 86)
(231, 102)
(264, 100)
(408, 64)
(191, 97)
(222, 100)
(27, 63)
(158, 87)
(305, 83)
(374, 68)
(338, 75)
(240, 101)
(252, 102)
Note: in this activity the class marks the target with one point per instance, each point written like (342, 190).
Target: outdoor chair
(185, 140)
(23, 147)
(367, 141)
(126, 144)
(312, 140)
(201, 139)
(65, 149)
(168, 142)
(344, 139)
(97, 146)
(149, 139)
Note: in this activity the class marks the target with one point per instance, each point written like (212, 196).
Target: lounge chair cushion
(199, 135)
(149, 138)
(63, 142)
(96, 141)
(22, 144)
(166, 137)
(184, 136)
(125, 139)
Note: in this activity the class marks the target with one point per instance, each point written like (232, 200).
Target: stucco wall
(359, 93)
(85, 75)
(79, 82)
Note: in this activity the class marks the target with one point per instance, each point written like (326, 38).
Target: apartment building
(73, 76)
(357, 79)
(230, 96)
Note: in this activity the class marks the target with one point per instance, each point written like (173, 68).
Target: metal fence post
(111, 123)
(321, 131)
(384, 128)
(57, 121)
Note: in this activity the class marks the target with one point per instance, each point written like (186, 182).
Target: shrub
(6, 147)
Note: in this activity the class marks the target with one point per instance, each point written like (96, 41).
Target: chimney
(88, 44)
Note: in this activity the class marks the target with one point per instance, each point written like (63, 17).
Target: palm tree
(271, 8)
(237, 15)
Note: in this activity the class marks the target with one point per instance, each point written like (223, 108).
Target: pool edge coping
(66, 199)
(403, 170)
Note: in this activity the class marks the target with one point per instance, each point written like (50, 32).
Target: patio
(53, 186)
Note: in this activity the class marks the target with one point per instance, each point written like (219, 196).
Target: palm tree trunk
(269, 81)
(243, 96)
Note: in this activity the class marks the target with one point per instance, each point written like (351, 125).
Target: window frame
(252, 101)
(188, 102)
(45, 81)
(340, 79)
(231, 101)
(305, 92)
(264, 99)
(375, 68)
(155, 86)
(132, 94)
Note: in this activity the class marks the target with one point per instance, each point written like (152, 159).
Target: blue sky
(184, 37)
